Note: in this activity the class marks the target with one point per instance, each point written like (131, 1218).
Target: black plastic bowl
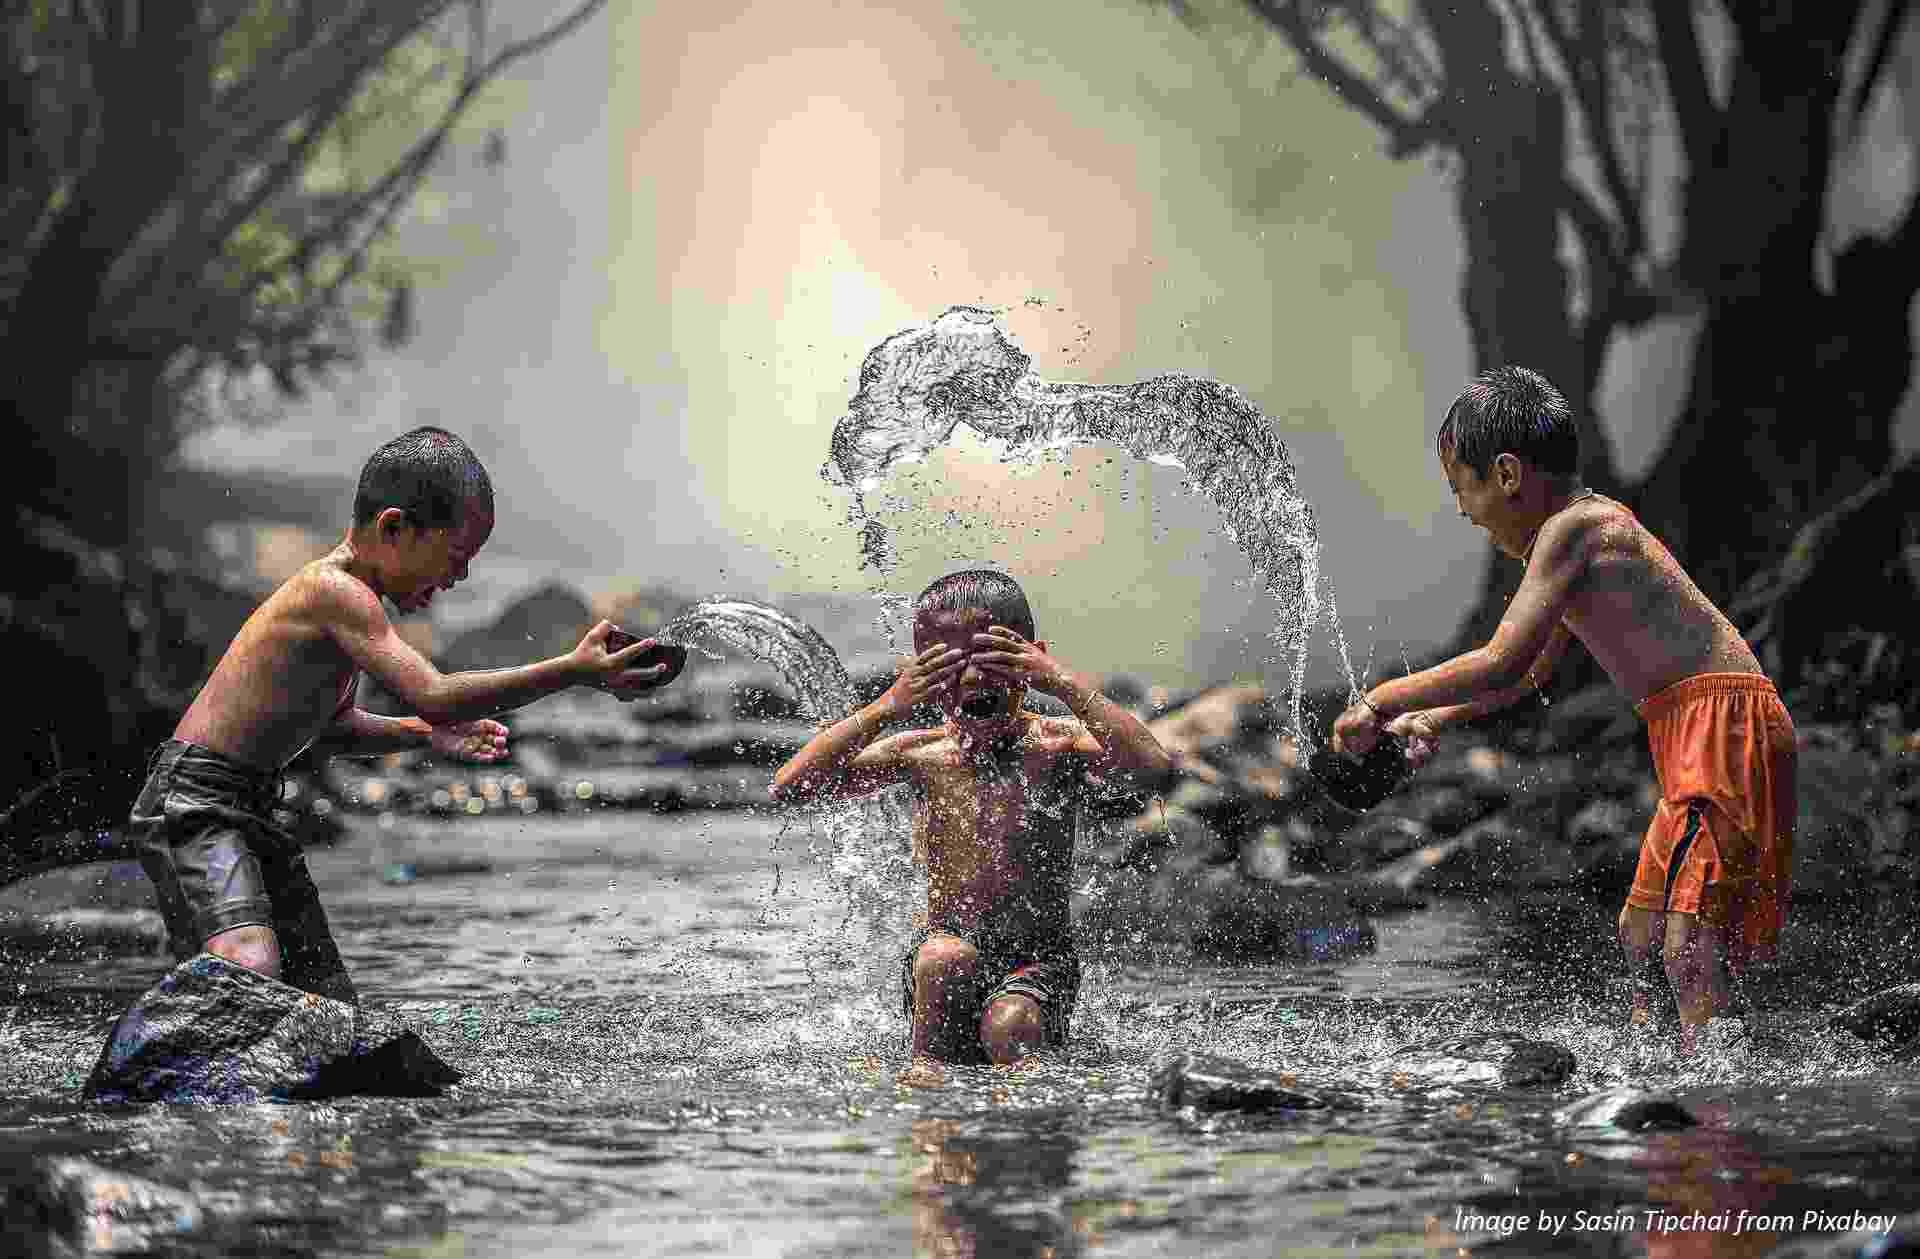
(1361, 784)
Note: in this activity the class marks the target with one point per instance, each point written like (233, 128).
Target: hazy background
(656, 309)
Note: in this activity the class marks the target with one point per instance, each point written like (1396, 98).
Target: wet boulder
(63, 1206)
(1626, 1110)
(211, 1031)
(1203, 1082)
(1503, 1058)
(1889, 1019)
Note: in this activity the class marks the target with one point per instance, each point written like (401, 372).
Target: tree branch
(1405, 135)
(1699, 118)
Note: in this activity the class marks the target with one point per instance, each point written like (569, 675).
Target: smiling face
(1492, 501)
(978, 698)
(425, 561)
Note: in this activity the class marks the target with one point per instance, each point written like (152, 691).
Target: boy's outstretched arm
(1538, 674)
(357, 732)
(839, 761)
(352, 615)
(1500, 668)
(1115, 740)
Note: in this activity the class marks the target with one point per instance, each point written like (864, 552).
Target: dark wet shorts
(1045, 969)
(203, 826)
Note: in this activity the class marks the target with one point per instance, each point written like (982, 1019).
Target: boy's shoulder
(324, 590)
(1583, 527)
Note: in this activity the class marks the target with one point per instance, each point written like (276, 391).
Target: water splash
(918, 386)
(806, 660)
(875, 876)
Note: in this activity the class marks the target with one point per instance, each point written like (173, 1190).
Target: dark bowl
(1361, 784)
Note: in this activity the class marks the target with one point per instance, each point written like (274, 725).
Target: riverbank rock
(1507, 1059)
(1889, 1019)
(1625, 1110)
(211, 1031)
(1204, 1083)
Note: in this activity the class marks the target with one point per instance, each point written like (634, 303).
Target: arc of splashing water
(918, 386)
(808, 663)
(805, 659)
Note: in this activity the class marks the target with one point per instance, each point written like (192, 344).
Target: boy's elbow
(1505, 671)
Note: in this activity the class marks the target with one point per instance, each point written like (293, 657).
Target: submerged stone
(1627, 1109)
(62, 1206)
(1889, 1019)
(212, 1031)
(1206, 1083)
(1504, 1058)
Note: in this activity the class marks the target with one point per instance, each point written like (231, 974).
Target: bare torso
(997, 826)
(1640, 614)
(282, 681)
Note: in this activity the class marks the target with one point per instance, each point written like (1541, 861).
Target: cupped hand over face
(1003, 655)
(925, 677)
(483, 740)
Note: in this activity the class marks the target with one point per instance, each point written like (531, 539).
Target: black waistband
(179, 756)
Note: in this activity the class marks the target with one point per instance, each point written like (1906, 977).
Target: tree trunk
(1514, 289)
(1793, 391)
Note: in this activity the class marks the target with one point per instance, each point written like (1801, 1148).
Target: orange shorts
(1721, 843)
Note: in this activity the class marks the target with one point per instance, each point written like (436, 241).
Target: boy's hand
(482, 740)
(923, 677)
(621, 673)
(1419, 734)
(1011, 658)
(1356, 731)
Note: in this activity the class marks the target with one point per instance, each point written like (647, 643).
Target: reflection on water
(671, 1050)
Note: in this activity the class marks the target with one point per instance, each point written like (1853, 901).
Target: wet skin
(995, 788)
(1593, 572)
(289, 675)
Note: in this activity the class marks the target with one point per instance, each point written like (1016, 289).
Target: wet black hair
(428, 473)
(997, 594)
(1511, 410)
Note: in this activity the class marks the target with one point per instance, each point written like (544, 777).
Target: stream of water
(681, 1033)
(657, 1064)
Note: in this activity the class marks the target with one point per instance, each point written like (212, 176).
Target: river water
(680, 1040)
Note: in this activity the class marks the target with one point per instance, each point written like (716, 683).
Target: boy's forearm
(360, 733)
(1466, 679)
(1460, 714)
(815, 766)
(1127, 743)
(485, 692)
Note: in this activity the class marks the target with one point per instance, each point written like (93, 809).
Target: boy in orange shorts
(1715, 869)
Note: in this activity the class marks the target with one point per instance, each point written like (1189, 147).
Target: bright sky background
(709, 213)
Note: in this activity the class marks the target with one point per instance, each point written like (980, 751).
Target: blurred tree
(1554, 117)
(198, 196)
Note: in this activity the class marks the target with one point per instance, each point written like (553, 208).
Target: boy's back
(283, 679)
(1645, 621)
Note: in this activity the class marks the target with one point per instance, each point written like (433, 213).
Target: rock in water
(1203, 1082)
(62, 1206)
(211, 1031)
(1627, 1109)
(1504, 1058)
(1888, 1019)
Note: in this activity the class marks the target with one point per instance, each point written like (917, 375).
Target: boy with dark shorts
(1715, 871)
(993, 975)
(230, 881)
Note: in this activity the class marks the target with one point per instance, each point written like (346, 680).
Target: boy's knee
(944, 958)
(1011, 1026)
(255, 948)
